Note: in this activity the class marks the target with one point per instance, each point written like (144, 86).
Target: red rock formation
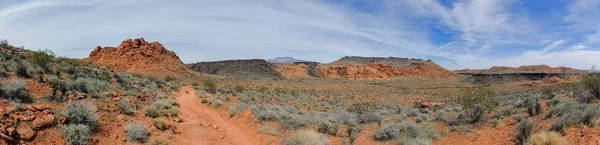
(139, 56)
(382, 71)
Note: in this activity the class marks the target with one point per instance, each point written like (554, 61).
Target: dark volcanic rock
(254, 68)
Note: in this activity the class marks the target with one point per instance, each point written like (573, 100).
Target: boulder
(46, 120)
(25, 132)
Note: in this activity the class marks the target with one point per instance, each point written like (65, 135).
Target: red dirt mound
(139, 56)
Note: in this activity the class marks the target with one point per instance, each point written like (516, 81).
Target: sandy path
(197, 128)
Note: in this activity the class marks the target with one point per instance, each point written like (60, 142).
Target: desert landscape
(139, 92)
(299, 72)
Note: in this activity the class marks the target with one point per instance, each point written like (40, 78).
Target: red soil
(199, 122)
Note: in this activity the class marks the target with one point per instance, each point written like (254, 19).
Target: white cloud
(212, 30)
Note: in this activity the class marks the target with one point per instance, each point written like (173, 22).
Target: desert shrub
(475, 113)
(421, 118)
(17, 105)
(294, 122)
(210, 87)
(15, 91)
(160, 124)
(591, 82)
(125, 106)
(21, 69)
(477, 95)
(151, 111)
(231, 111)
(362, 107)
(80, 112)
(136, 132)
(410, 132)
(41, 58)
(89, 86)
(369, 117)
(524, 130)
(547, 138)
(239, 89)
(158, 141)
(76, 134)
(533, 107)
(571, 113)
(328, 127)
(268, 115)
(387, 132)
(172, 112)
(306, 137)
(3, 72)
(53, 80)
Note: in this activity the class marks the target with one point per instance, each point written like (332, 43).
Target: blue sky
(456, 34)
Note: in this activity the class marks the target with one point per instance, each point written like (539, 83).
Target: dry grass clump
(306, 137)
(547, 138)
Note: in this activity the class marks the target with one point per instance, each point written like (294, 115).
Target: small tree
(42, 58)
(591, 82)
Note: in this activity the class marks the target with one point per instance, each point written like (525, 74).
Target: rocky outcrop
(253, 68)
(299, 69)
(523, 69)
(354, 67)
(359, 68)
(23, 124)
(139, 56)
(380, 71)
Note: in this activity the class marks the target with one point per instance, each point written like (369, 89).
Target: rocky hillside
(523, 69)
(254, 68)
(139, 56)
(284, 60)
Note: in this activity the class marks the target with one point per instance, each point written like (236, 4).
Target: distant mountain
(284, 59)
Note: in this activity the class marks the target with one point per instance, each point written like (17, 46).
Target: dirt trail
(197, 128)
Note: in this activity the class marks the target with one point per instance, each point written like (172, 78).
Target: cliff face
(254, 68)
(361, 68)
(139, 56)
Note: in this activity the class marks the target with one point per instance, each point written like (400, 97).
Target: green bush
(409, 133)
(591, 82)
(210, 87)
(328, 127)
(80, 112)
(136, 132)
(125, 106)
(524, 130)
(16, 91)
(21, 69)
(475, 114)
(160, 124)
(150, 111)
(477, 95)
(41, 58)
(306, 137)
(77, 134)
(387, 132)
(362, 107)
